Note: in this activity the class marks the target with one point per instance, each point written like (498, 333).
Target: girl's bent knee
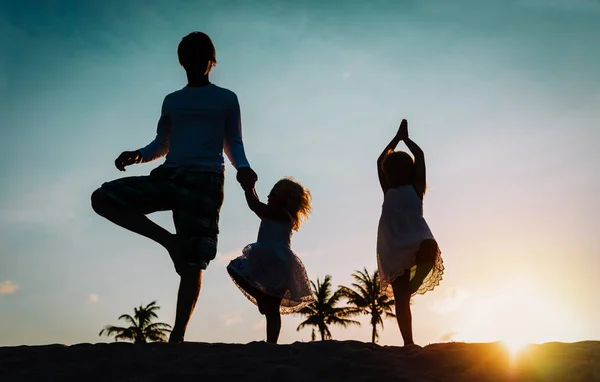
(427, 251)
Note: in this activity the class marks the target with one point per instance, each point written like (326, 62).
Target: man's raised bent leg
(126, 202)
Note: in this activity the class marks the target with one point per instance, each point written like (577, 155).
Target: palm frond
(110, 330)
(127, 335)
(129, 319)
(157, 326)
(344, 322)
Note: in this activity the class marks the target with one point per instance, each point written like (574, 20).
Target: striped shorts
(194, 197)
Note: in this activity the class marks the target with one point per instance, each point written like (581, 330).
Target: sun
(515, 316)
(515, 345)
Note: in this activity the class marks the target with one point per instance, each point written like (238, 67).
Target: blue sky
(502, 97)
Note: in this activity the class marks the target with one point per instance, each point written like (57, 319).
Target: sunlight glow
(517, 314)
(514, 346)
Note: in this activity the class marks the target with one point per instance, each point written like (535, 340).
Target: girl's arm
(419, 182)
(388, 149)
(262, 210)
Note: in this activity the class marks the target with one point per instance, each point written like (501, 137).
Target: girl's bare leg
(271, 312)
(401, 287)
(267, 305)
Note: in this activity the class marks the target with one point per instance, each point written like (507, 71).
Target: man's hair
(196, 51)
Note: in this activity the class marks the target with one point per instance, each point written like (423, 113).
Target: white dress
(401, 230)
(270, 266)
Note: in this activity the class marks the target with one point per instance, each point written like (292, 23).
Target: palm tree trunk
(374, 333)
(139, 337)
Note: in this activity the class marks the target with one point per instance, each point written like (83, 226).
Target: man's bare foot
(175, 339)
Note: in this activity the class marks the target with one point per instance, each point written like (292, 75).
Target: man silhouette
(197, 123)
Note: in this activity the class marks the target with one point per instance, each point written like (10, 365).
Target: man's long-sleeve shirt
(196, 126)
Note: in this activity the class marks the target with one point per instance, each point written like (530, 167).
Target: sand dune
(348, 361)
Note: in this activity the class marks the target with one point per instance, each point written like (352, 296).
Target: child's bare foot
(411, 348)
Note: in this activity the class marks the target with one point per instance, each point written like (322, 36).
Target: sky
(502, 97)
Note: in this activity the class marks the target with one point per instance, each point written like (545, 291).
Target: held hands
(402, 133)
(127, 158)
(247, 178)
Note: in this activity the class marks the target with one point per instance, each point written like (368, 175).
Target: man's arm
(159, 147)
(233, 144)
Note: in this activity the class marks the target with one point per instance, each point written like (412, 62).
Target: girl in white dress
(408, 257)
(269, 273)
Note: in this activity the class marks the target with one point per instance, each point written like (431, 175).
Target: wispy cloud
(451, 300)
(446, 337)
(8, 287)
(232, 319)
(93, 298)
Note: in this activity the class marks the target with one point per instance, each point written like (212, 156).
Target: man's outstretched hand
(127, 158)
(247, 177)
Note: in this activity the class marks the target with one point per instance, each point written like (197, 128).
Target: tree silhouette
(141, 329)
(366, 298)
(324, 311)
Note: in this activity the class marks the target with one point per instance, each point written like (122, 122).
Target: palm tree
(141, 329)
(323, 311)
(366, 297)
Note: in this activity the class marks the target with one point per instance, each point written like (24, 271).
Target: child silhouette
(269, 273)
(408, 257)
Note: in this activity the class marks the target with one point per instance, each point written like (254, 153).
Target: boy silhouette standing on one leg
(196, 125)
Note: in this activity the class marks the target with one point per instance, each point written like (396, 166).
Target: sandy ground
(315, 361)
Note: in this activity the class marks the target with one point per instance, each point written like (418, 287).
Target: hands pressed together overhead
(402, 133)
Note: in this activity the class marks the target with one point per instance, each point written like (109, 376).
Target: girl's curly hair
(295, 198)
